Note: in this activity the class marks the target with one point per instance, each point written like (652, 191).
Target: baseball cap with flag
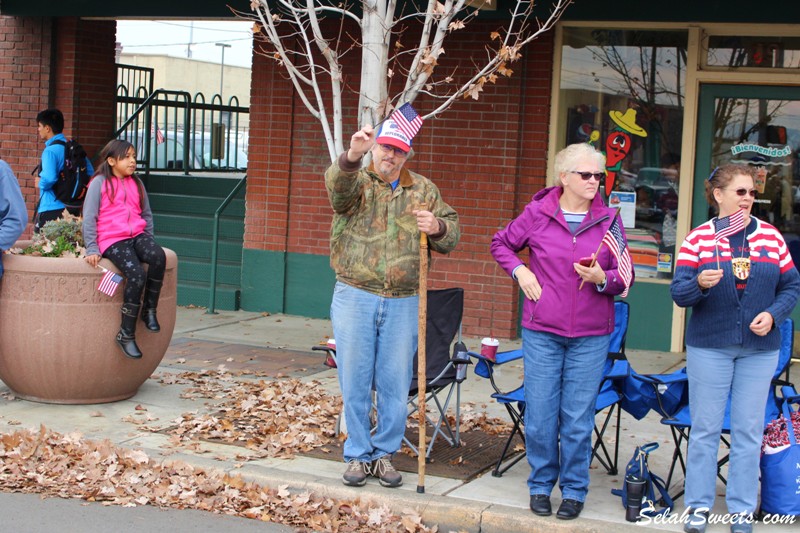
(400, 128)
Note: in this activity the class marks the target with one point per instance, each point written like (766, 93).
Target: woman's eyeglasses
(586, 176)
(743, 191)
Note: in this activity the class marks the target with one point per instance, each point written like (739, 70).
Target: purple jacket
(562, 309)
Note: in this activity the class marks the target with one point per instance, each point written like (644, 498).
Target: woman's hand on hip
(528, 283)
(762, 323)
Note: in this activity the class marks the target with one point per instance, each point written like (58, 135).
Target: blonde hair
(567, 158)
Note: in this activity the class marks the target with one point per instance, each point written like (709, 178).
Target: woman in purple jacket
(566, 329)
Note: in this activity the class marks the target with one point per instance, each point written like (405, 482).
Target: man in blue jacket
(50, 125)
(13, 211)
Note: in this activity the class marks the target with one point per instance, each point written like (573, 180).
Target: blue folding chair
(614, 372)
(674, 407)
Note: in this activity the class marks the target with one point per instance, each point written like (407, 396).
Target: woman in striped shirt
(736, 274)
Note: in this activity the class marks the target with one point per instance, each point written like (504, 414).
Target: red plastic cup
(489, 347)
(330, 361)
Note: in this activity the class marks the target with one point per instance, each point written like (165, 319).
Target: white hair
(567, 158)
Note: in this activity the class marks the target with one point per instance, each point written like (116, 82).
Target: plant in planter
(57, 238)
(57, 333)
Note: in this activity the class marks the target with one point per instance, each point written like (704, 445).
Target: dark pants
(128, 256)
(46, 216)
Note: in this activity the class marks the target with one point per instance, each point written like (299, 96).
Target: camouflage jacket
(374, 235)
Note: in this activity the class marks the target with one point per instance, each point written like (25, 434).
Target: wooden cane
(421, 360)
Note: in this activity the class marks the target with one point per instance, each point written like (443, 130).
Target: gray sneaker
(356, 473)
(383, 470)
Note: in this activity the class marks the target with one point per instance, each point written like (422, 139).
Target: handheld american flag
(109, 283)
(616, 243)
(407, 119)
(729, 225)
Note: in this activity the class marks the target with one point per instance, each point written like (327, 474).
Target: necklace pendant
(741, 267)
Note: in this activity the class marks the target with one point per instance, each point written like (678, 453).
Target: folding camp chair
(444, 373)
(615, 370)
(674, 408)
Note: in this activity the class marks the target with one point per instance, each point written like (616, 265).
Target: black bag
(637, 468)
(73, 180)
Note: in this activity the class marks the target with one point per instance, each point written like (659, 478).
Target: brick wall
(487, 156)
(66, 63)
(25, 54)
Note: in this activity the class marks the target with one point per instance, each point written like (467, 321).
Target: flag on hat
(400, 128)
(407, 119)
(109, 283)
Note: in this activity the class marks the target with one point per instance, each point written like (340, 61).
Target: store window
(623, 91)
(755, 52)
(764, 133)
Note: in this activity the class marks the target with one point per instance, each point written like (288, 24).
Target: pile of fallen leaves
(273, 418)
(277, 418)
(69, 466)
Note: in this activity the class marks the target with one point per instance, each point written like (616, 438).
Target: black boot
(126, 338)
(151, 293)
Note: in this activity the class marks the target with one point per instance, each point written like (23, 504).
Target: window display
(623, 91)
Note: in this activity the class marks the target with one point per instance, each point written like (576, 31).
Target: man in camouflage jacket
(379, 212)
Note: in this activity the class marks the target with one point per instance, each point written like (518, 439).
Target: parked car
(168, 155)
(656, 193)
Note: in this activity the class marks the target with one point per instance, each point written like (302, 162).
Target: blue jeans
(562, 377)
(376, 338)
(714, 374)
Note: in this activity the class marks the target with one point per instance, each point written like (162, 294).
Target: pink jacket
(108, 220)
(563, 308)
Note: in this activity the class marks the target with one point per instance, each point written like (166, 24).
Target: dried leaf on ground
(69, 466)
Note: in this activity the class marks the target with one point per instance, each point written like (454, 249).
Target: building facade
(668, 95)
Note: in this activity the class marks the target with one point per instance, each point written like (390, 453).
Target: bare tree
(294, 33)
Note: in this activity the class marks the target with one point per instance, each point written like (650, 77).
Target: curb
(450, 514)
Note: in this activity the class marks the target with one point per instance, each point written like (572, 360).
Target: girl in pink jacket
(118, 225)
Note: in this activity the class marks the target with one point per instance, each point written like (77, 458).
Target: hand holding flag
(726, 226)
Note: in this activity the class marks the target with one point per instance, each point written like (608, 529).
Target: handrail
(212, 289)
(146, 107)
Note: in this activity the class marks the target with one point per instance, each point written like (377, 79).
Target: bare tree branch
(295, 31)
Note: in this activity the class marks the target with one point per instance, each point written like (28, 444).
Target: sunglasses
(743, 191)
(397, 151)
(586, 176)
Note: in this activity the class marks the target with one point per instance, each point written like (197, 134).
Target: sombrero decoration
(627, 122)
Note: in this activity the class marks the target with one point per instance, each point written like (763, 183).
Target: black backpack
(73, 180)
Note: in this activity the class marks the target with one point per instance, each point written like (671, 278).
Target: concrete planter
(57, 332)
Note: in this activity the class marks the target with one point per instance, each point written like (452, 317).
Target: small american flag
(729, 225)
(616, 243)
(159, 136)
(109, 283)
(407, 120)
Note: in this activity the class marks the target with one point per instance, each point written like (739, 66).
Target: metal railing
(174, 131)
(212, 290)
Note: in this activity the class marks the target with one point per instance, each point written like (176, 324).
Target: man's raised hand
(360, 143)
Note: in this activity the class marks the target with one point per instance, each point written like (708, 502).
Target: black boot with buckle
(126, 338)
(151, 294)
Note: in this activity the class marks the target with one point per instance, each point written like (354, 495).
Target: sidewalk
(485, 504)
